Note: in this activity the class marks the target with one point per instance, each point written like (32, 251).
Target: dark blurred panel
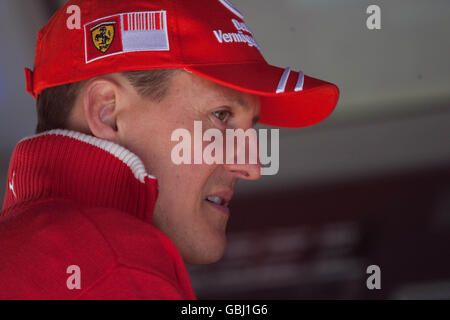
(318, 243)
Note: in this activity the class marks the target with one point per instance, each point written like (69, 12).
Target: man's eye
(222, 115)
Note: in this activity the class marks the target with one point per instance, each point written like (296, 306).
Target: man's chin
(213, 253)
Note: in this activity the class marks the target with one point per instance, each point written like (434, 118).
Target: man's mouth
(220, 200)
(217, 200)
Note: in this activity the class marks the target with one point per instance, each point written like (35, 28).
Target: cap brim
(313, 101)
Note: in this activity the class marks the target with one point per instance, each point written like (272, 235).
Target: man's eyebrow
(238, 100)
(242, 103)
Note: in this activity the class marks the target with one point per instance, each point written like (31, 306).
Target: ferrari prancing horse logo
(103, 35)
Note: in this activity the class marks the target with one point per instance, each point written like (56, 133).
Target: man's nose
(245, 171)
(250, 168)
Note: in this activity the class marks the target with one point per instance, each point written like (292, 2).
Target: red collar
(88, 170)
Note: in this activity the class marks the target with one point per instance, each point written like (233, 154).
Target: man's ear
(100, 102)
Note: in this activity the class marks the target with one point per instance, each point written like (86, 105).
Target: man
(95, 207)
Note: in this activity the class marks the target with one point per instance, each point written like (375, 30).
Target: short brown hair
(54, 104)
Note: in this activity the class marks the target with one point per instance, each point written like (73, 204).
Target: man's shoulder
(40, 241)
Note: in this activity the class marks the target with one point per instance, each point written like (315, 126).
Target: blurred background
(368, 186)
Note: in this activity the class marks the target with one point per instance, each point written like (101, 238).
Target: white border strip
(283, 81)
(124, 155)
(300, 82)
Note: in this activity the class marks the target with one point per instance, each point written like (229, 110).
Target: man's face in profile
(183, 212)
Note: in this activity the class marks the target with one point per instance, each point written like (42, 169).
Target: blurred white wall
(394, 111)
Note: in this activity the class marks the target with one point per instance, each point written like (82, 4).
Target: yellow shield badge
(103, 36)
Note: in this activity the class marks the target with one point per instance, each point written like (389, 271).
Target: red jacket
(75, 200)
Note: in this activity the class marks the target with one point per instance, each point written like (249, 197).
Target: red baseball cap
(206, 37)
